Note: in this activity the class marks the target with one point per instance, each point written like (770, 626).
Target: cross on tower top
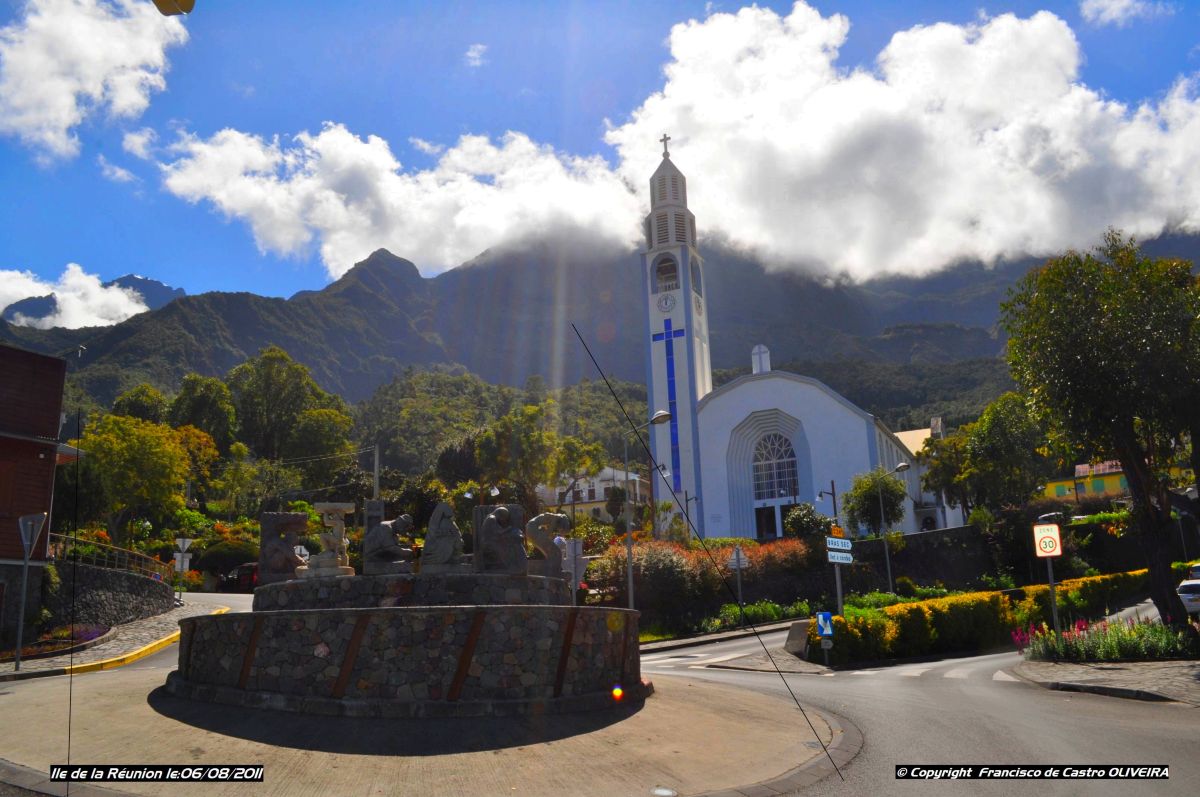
(664, 141)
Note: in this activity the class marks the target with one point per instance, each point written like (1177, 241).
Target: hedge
(966, 623)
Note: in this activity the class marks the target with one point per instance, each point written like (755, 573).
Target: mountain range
(154, 295)
(512, 313)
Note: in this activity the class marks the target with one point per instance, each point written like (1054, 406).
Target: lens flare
(617, 692)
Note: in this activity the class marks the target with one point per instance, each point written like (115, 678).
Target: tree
(320, 445)
(945, 460)
(456, 462)
(1003, 463)
(141, 465)
(1104, 345)
(861, 502)
(206, 403)
(575, 460)
(239, 474)
(144, 402)
(201, 454)
(271, 392)
(615, 505)
(518, 448)
(805, 522)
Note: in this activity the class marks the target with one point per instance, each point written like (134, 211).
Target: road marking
(1001, 675)
(864, 672)
(958, 672)
(916, 672)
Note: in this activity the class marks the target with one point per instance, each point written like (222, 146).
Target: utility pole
(375, 485)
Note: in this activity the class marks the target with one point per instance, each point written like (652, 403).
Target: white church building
(740, 456)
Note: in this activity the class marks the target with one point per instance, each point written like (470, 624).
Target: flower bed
(1105, 641)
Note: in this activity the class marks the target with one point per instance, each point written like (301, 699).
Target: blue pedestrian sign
(824, 624)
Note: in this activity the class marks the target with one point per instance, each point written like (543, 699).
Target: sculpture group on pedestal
(334, 560)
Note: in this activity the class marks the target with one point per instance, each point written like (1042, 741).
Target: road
(967, 711)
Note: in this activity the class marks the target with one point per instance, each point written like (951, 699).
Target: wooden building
(31, 396)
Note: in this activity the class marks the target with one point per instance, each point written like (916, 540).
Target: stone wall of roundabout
(381, 646)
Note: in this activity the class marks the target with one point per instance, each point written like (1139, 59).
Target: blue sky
(437, 130)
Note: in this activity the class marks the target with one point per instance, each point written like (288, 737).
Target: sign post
(1048, 544)
(182, 560)
(825, 632)
(31, 528)
(837, 549)
(737, 560)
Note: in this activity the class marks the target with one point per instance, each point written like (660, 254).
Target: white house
(590, 495)
(740, 455)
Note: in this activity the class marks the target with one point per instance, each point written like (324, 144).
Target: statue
(277, 558)
(542, 531)
(333, 561)
(501, 545)
(382, 551)
(443, 542)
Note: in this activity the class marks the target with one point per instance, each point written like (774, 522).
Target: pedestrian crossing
(952, 670)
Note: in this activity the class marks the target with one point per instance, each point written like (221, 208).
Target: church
(740, 456)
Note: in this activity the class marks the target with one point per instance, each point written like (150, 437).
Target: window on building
(680, 228)
(607, 493)
(576, 496)
(696, 284)
(666, 276)
(562, 496)
(774, 468)
(596, 512)
(662, 188)
(660, 226)
(591, 493)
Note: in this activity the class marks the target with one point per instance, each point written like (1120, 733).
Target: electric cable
(695, 533)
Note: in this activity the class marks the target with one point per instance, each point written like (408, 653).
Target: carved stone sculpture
(501, 545)
(334, 560)
(443, 542)
(277, 558)
(383, 552)
(541, 531)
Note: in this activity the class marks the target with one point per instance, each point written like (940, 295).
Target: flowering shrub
(1104, 641)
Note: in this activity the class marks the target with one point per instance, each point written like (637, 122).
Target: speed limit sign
(1046, 540)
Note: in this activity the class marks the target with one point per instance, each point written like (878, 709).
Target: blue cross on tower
(668, 335)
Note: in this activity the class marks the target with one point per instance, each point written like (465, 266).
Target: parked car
(1189, 593)
(243, 578)
(1194, 571)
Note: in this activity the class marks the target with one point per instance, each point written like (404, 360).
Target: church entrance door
(764, 522)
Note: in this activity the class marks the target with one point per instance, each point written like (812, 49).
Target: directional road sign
(737, 559)
(838, 544)
(824, 624)
(1046, 540)
(840, 557)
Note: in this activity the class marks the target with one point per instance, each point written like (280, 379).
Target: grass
(1105, 641)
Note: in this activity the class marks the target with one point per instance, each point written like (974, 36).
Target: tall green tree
(1104, 345)
(946, 468)
(861, 502)
(143, 401)
(518, 448)
(141, 465)
(206, 403)
(271, 392)
(319, 445)
(1004, 463)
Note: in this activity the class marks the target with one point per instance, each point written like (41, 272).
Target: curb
(31, 779)
(691, 642)
(103, 664)
(846, 745)
(1100, 689)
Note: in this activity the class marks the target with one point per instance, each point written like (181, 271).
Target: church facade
(740, 456)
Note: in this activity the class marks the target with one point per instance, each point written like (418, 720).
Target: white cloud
(427, 147)
(81, 298)
(139, 142)
(1121, 12)
(62, 61)
(350, 194)
(113, 172)
(474, 56)
(973, 141)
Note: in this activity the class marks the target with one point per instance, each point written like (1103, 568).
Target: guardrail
(97, 554)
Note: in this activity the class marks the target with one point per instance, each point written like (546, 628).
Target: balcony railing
(97, 554)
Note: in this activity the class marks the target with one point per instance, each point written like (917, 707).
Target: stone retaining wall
(439, 589)
(421, 661)
(104, 596)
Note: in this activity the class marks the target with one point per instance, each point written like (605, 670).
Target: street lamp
(887, 558)
(662, 416)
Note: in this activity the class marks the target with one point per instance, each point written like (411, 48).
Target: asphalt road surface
(967, 711)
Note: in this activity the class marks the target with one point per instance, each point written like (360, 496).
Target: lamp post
(887, 557)
(662, 416)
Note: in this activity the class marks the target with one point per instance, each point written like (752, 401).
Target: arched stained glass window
(774, 468)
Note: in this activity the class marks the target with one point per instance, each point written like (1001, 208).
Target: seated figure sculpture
(443, 542)
(383, 552)
(501, 545)
(277, 558)
(334, 560)
(542, 531)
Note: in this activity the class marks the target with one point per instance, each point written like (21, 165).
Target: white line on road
(1001, 675)
(958, 672)
(915, 672)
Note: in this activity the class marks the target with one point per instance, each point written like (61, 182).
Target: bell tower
(678, 370)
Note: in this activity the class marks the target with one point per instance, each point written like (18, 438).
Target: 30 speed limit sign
(1046, 541)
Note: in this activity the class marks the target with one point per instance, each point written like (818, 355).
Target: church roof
(730, 387)
(914, 439)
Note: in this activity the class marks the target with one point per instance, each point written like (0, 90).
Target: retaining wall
(104, 596)
(421, 661)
